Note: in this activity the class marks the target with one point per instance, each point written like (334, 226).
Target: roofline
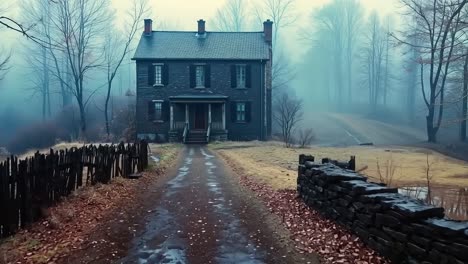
(187, 31)
(195, 59)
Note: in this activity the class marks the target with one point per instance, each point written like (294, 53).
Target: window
(158, 111)
(200, 76)
(240, 112)
(158, 69)
(240, 76)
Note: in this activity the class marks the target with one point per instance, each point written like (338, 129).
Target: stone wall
(403, 229)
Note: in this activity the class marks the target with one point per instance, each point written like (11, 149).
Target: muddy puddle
(453, 200)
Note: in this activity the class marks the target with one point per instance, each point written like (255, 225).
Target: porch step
(196, 137)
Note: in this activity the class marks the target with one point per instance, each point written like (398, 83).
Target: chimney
(201, 27)
(268, 31)
(148, 27)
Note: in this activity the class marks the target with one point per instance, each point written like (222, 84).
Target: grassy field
(275, 165)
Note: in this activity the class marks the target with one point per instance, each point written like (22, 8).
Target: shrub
(36, 136)
(305, 137)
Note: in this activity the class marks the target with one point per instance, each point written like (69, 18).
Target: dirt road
(338, 130)
(202, 216)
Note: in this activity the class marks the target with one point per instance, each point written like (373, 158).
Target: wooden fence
(40, 181)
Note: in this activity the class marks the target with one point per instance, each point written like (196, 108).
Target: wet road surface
(201, 217)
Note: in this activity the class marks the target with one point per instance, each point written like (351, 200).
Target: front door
(200, 117)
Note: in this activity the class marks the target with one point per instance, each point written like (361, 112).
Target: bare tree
(387, 67)
(4, 56)
(4, 67)
(79, 25)
(283, 15)
(411, 67)
(231, 16)
(306, 136)
(117, 48)
(331, 18)
(464, 114)
(280, 11)
(437, 23)
(287, 113)
(37, 54)
(373, 59)
(353, 16)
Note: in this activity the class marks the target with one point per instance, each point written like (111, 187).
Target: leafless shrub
(305, 137)
(429, 176)
(287, 114)
(387, 172)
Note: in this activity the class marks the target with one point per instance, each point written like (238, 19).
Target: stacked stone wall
(403, 229)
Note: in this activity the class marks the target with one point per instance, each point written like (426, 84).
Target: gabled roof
(214, 45)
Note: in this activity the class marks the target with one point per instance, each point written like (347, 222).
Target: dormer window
(200, 76)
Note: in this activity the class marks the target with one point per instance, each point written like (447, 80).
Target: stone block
(362, 233)
(303, 158)
(447, 227)
(357, 205)
(402, 237)
(365, 218)
(333, 173)
(459, 251)
(379, 233)
(422, 229)
(416, 251)
(343, 202)
(421, 241)
(386, 220)
(441, 246)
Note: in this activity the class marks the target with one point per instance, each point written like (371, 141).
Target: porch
(195, 119)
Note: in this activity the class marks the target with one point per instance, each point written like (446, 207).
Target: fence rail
(36, 182)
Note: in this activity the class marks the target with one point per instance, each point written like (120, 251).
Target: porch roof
(198, 98)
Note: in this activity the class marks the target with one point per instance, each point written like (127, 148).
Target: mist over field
(343, 59)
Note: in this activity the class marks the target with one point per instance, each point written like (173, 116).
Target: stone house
(198, 86)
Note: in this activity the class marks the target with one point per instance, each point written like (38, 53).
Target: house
(197, 86)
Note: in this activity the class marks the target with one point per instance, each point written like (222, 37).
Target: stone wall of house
(220, 84)
(403, 229)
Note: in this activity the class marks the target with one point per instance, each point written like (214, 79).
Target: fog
(337, 56)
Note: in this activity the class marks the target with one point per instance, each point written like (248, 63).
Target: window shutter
(248, 76)
(192, 76)
(233, 111)
(151, 74)
(150, 111)
(248, 112)
(207, 76)
(165, 77)
(233, 76)
(166, 108)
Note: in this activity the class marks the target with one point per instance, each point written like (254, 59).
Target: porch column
(172, 117)
(224, 116)
(209, 113)
(186, 113)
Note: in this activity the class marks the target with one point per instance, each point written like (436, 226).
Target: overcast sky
(182, 15)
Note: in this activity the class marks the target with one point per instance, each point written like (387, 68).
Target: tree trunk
(465, 101)
(431, 130)
(106, 107)
(350, 94)
(82, 121)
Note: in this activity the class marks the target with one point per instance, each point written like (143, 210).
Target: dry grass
(59, 146)
(277, 166)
